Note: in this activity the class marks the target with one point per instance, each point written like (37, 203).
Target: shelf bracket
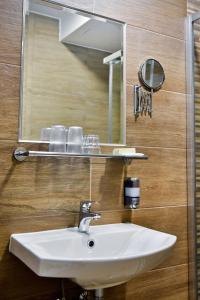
(20, 154)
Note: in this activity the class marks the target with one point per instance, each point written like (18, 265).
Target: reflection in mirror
(152, 74)
(72, 73)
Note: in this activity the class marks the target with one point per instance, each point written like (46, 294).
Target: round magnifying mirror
(151, 74)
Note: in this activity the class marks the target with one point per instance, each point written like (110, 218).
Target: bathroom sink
(109, 255)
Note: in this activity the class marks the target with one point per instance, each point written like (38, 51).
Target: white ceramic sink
(120, 252)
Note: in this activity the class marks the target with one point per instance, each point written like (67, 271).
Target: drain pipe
(62, 290)
(98, 294)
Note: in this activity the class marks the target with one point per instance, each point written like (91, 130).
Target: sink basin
(109, 255)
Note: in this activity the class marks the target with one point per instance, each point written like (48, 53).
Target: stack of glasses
(70, 140)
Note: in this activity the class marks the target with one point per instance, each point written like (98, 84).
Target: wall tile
(163, 179)
(166, 17)
(10, 38)
(166, 128)
(165, 284)
(167, 219)
(40, 185)
(9, 100)
(168, 51)
(19, 282)
(107, 184)
(192, 6)
(80, 4)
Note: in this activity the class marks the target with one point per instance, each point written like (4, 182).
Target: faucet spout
(86, 216)
(84, 225)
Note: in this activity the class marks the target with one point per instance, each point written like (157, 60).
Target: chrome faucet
(86, 216)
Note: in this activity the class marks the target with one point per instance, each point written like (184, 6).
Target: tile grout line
(162, 90)
(168, 267)
(10, 64)
(62, 214)
(158, 33)
(103, 212)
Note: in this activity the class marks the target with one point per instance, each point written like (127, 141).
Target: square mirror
(73, 73)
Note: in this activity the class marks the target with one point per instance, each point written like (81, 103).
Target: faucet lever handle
(85, 206)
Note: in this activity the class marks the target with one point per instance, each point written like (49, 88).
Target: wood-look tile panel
(166, 17)
(167, 219)
(166, 128)
(80, 4)
(107, 184)
(165, 284)
(9, 101)
(40, 185)
(192, 6)
(10, 28)
(18, 282)
(163, 179)
(170, 52)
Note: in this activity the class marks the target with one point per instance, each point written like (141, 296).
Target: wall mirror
(72, 72)
(151, 74)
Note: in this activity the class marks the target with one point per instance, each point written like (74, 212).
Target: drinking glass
(75, 139)
(57, 139)
(66, 134)
(91, 144)
(45, 134)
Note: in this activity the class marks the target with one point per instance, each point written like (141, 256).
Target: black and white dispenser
(131, 192)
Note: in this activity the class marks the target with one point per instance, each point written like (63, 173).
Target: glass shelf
(21, 154)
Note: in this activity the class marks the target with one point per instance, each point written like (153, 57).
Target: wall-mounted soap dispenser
(131, 192)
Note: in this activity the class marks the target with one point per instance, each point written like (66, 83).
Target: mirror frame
(141, 76)
(123, 82)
